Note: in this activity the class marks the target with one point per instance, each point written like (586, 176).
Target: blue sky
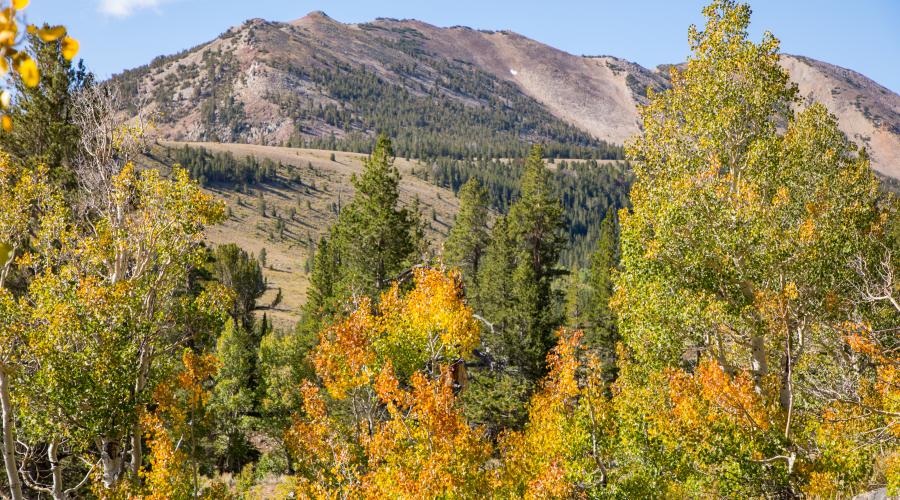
(863, 35)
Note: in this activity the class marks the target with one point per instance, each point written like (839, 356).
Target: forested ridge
(716, 315)
(438, 108)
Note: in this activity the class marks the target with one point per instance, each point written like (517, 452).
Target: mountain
(454, 91)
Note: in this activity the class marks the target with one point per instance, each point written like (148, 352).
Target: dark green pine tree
(537, 228)
(234, 268)
(498, 388)
(234, 395)
(322, 300)
(468, 240)
(374, 236)
(518, 301)
(496, 293)
(519, 268)
(44, 131)
(373, 240)
(602, 334)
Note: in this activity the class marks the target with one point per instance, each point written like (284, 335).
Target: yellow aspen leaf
(8, 36)
(4, 66)
(5, 97)
(29, 72)
(20, 4)
(69, 47)
(50, 34)
(7, 123)
(5, 253)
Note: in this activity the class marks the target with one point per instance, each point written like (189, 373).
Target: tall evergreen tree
(519, 269)
(518, 302)
(237, 270)
(498, 389)
(496, 293)
(233, 396)
(470, 236)
(602, 333)
(373, 240)
(374, 236)
(536, 227)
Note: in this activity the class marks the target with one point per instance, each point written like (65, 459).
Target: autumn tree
(746, 217)
(392, 367)
(173, 430)
(30, 212)
(126, 308)
(564, 450)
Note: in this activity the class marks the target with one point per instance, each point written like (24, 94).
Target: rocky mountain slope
(439, 91)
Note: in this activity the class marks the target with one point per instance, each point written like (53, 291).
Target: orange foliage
(429, 324)
(710, 394)
(168, 474)
(345, 354)
(559, 449)
(330, 462)
(426, 448)
(416, 443)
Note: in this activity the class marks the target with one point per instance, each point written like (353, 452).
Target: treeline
(426, 120)
(224, 168)
(586, 188)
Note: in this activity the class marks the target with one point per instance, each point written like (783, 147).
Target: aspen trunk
(111, 460)
(758, 362)
(137, 451)
(9, 446)
(56, 470)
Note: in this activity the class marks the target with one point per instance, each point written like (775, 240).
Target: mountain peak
(316, 16)
(273, 84)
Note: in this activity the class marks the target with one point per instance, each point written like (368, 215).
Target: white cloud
(125, 8)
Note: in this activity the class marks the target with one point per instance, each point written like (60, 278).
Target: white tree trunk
(758, 362)
(9, 443)
(137, 455)
(137, 451)
(56, 470)
(111, 460)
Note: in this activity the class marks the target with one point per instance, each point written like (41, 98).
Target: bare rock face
(867, 112)
(279, 83)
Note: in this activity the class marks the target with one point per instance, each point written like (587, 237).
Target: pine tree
(234, 268)
(470, 236)
(602, 333)
(375, 237)
(234, 395)
(536, 226)
(262, 257)
(496, 292)
(44, 132)
(517, 300)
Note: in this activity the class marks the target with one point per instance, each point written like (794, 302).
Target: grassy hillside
(312, 186)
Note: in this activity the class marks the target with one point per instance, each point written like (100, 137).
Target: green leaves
(739, 248)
